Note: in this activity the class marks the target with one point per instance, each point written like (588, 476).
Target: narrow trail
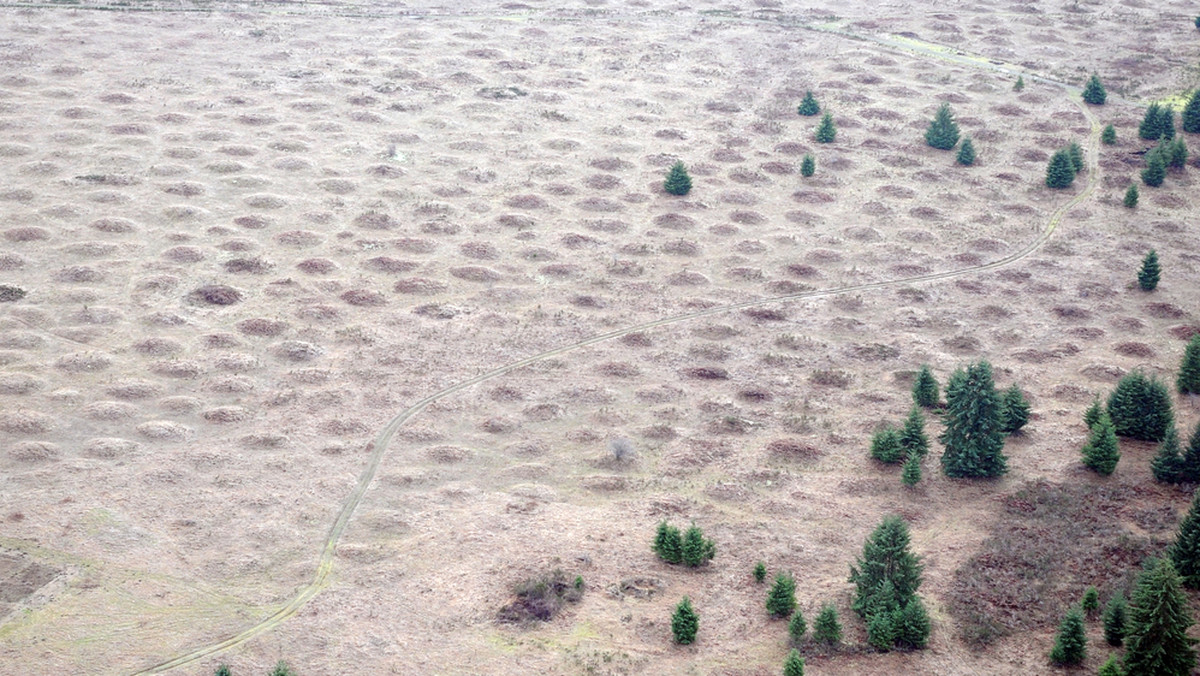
(323, 575)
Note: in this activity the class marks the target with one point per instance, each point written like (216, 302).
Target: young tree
(808, 107)
(281, 669)
(1101, 453)
(911, 474)
(1156, 636)
(911, 625)
(1070, 646)
(794, 664)
(827, 629)
(1176, 153)
(912, 437)
(697, 551)
(1156, 169)
(781, 600)
(1166, 122)
(1167, 465)
(966, 153)
(668, 543)
(1093, 91)
(760, 572)
(808, 166)
(223, 670)
(1092, 415)
(974, 434)
(1131, 196)
(885, 446)
(1111, 667)
(685, 622)
(1060, 173)
(796, 627)
(925, 389)
(1188, 381)
(1075, 152)
(1150, 272)
(1140, 408)
(943, 130)
(1191, 113)
(1185, 552)
(1109, 136)
(1150, 128)
(1114, 620)
(1090, 603)
(678, 182)
(886, 578)
(1019, 85)
(826, 132)
(1014, 410)
(1189, 466)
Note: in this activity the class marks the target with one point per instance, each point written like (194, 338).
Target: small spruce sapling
(1191, 113)
(1156, 169)
(1114, 620)
(827, 629)
(797, 628)
(942, 132)
(1150, 272)
(1131, 196)
(1090, 603)
(1185, 551)
(826, 131)
(1014, 410)
(760, 572)
(925, 389)
(1188, 380)
(1070, 646)
(911, 474)
(1075, 152)
(912, 435)
(794, 664)
(685, 622)
(886, 447)
(223, 670)
(1060, 172)
(966, 153)
(1092, 415)
(1019, 85)
(1109, 136)
(678, 182)
(1101, 453)
(808, 107)
(1093, 91)
(781, 600)
(1111, 667)
(1167, 465)
(808, 166)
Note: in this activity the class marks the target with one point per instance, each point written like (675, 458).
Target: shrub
(621, 449)
(966, 153)
(1093, 91)
(808, 107)
(685, 622)
(808, 166)
(1060, 173)
(943, 130)
(540, 598)
(1131, 196)
(1188, 381)
(1070, 646)
(974, 436)
(1140, 408)
(1100, 453)
(1150, 128)
(1114, 620)
(678, 182)
(1150, 272)
(781, 600)
(1176, 153)
(885, 446)
(794, 664)
(760, 572)
(1090, 603)
(827, 629)
(796, 627)
(1014, 410)
(826, 132)
(1109, 136)
(1111, 667)
(1156, 636)
(925, 389)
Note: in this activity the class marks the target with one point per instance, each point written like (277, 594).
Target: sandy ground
(250, 237)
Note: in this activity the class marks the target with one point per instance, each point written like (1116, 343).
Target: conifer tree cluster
(1140, 408)
(1188, 381)
(1093, 91)
(974, 434)
(1156, 631)
(690, 548)
(943, 130)
(1157, 123)
(886, 580)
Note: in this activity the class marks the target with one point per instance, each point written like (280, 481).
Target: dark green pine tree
(797, 627)
(808, 107)
(794, 664)
(826, 132)
(966, 153)
(911, 474)
(1090, 603)
(911, 625)
(781, 600)
(678, 182)
(1140, 408)
(760, 572)
(1070, 646)
(1156, 634)
(1111, 667)
(943, 130)
(1075, 152)
(1114, 620)
(1014, 410)
(885, 446)
(696, 550)
(1131, 196)
(1167, 465)
(1176, 153)
(1188, 380)
(1150, 271)
(1191, 113)
(925, 389)
(223, 670)
(808, 166)
(1189, 465)
(885, 558)
(1101, 453)
(1019, 85)
(826, 628)
(1185, 552)
(1093, 91)
(668, 543)
(1150, 128)
(1060, 173)
(1092, 415)
(1109, 136)
(1166, 122)
(912, 436)
(974, 434)
(1156, 169)
(685, 622)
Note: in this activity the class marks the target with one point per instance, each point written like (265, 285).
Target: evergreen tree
(1156, 637)
(827, 629)
(281, 669)
(1111, 667)
(668, 543)
(1090, 603)
(885, 558)
(943, 130)
(1189, 467)
(1019, 84)
(796, 627)
(1092, 415)
(1131, 196)
(1150, 128)
(1101, 453)
(925, 389)
(1070, 647)
(760, 572)
(1114, 620)
(808, 107)
(1167, 465)
(781, 600)
(1093, 91)
(1140, 408)
(808, 166)
(1185, 552)
(223, 670)
(966, 153)
(1060, 173)
(912, 436)
(1197, 22)
(697, 550)
(1191, 113)
(678, 182)
(881, 630)
(1188, 381)
(1156, 169)
(1166, 122)
(1014, 410)
(974, 434)
(911, 474)
(794, 664)
(1150, 272)
(911, 625)
(1075, 152)
(1176, 153)
(685, 622)
(1109, 136)
(885, 446)
(826, 132)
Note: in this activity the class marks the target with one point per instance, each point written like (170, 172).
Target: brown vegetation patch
(448, 455)
(261, 326)
(419, 286)
(109, 448)
(27, 234)
(158, 346)
(226, 414)
(165, 430)
(251, 266)
(1073, 312)
(1163, 310)
(31, 452)
(706, 373)
(83, 362)
(364, 298)
(216, 294)
(831, 378)
(1134, 349)
(297, 351)
(10, 293)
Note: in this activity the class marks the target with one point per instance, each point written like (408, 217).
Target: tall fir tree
(1075, 152)
(1188, 380)
(966, 153)
(1150, 128)
(1109, 136)
(1140, 408)
(1185, 551)
(1114, 620)
(808, 166)
(1014, 410)
(1093, 91)
(685, 622)
(1060, 173)
(1150, 272)
(794, 664)
(974, 435)
(925, 389)
(912, 436)
(1156, 169)
(678, 182)
(943, 130)
(1070, 646)
(1101, 453)
(827, 628)
(1131, 196)
(1167, 465)
(826, 131)
(809, 106)
(1156, 634)
(1191, 113)
(781, 600)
